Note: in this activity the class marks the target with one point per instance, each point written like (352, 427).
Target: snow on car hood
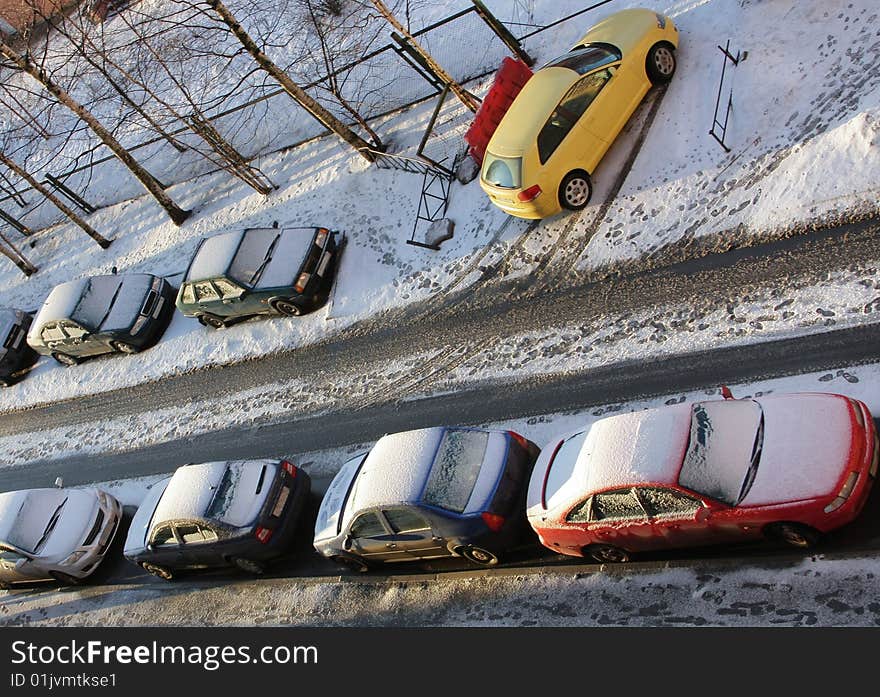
(807, 442)
(25, 515)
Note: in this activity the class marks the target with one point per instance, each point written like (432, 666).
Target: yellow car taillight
(844, 492)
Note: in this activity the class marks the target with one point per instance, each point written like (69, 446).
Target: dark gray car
(428, 493)
(237, 513)
(122, 313)
(16, 355)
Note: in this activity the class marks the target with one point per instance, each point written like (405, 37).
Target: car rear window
(583, 59)
(455, 469)
(503, 172)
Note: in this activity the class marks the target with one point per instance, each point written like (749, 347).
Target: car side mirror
(346, 543)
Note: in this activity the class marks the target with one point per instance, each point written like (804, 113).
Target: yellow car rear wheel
(575, 190)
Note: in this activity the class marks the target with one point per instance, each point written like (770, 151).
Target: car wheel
(209, 320)
(793, 534)
(4, 586)
(353, 563)
(660, 63)
(64, 578)
(252, 567)
(65, 358)
(122, 347)
(288, 308)
(478, 555)
(157, 570)
(607, 554)
(575, 191)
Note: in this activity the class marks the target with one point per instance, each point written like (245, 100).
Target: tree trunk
(463, 95)
(59, 204)
(177, 214)
(289, 86)
(9, 250)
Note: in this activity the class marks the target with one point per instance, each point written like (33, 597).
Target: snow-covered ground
(804, 148)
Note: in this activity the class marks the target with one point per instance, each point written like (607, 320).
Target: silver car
(59, 534)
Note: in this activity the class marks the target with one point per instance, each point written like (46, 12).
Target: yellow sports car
(560, 125)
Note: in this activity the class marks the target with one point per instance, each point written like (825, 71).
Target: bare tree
(59, 204)
(10, 251)
(294, 90)
(463, 95)
(24, 64)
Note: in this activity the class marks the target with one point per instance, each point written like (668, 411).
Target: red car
(787, 467)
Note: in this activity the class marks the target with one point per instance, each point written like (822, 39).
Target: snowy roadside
(817, 591)
(708, 200)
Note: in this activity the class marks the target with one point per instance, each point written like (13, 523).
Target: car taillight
(263, 534)
(302, 282)
(844, 492)
(289, 467)
(529, 194)
(321, 236)
(493, 521)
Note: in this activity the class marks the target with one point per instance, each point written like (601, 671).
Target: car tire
(575, 191)
(478, 555)
(213, 321)
(285, 307)
(64, 578)
(123, 347)
(793, 534)
(354, 563)
(65, 358)
(250, 566)
(5, 586)
(607, 554)
(157, 570)
(660, 63)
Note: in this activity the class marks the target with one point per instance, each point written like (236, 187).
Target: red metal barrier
(509, 80)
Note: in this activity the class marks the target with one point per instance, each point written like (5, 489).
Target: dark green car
(284, 271)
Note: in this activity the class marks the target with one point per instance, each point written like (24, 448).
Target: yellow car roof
(529, 112)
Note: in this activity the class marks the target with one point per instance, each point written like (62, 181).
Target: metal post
(70, 194)
(503, 33)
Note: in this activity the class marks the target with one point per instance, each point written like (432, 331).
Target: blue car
(425, 494)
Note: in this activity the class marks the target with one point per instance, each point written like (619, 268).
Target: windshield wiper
(50, 527)
(753, 464)
(266, 260)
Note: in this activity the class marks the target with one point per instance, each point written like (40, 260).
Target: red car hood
(807, 444)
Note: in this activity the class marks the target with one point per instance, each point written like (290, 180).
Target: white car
(59, 534)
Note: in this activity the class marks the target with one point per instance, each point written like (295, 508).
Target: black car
(428, 493)
(217, 514)
(16, 355)
(122, 313)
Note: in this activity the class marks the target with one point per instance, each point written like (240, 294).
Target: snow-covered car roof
(60, 302)
(214, 256)
(224, 491)
(441, 466)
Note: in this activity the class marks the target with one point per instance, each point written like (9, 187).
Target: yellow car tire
(575, 191)
(660, 63)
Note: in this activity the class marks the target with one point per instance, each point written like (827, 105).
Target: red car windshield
(724, 449)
